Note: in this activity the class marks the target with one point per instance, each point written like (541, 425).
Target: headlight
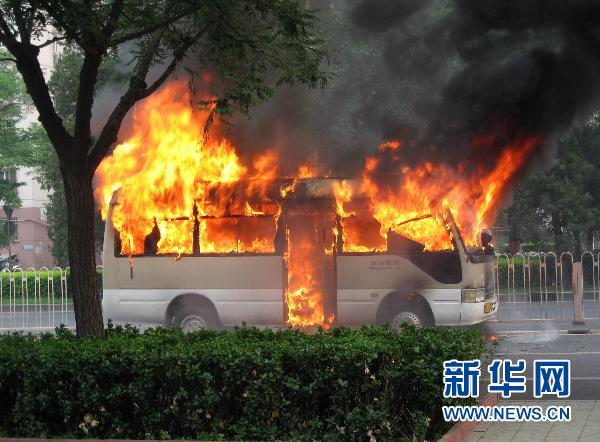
(473, 295)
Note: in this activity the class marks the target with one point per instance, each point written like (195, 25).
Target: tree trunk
(82, 261)
(577, 249)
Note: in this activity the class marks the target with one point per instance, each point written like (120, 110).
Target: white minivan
(403, 283)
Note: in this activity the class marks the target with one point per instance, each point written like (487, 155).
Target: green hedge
(247, 384)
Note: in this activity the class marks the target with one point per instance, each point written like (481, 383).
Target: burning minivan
(303, 257)
(200, 233)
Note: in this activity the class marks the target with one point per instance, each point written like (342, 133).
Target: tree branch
(31, 16)
(88, 77)
(137, 84)
(160, 80)
(137, 91)
(113, 19)
(6, 33)
(69, 31)
(28, 65)
(148, 30)
(49, 42)
(14, 60)
(177, 57)
(24, 32)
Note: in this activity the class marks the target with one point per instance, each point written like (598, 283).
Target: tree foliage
(14, 103)
(47, 173)
(565, 199)
(14, 151)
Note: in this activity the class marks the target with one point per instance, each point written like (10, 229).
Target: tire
(196, 317)
(411, 314)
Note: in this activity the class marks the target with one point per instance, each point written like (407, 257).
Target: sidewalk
(584, 425)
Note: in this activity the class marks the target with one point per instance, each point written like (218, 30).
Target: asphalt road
(35, 321)
(559, 309)
(531, 340)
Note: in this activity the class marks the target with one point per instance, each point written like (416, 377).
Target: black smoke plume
(436, 74)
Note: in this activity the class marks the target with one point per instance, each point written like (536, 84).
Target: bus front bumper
(476, 312)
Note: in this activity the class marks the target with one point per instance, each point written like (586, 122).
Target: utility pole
(577, 288)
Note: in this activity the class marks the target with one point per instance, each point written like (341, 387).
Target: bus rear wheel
(194, 318)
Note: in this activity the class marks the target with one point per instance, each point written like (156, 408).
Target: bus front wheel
(406, 318)
(410, 313)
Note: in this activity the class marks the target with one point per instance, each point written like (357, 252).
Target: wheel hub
(193, 322)
(405, 317)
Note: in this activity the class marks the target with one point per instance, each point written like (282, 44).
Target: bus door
(310, 290)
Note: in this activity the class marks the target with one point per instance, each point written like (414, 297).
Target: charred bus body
(401, 283)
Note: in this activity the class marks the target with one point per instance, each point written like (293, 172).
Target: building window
(9, 175)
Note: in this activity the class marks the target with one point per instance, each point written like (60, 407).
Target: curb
(461, 430)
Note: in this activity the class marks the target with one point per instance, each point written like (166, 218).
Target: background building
(31, 244)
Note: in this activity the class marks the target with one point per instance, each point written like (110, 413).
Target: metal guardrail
(34, 299)
(538, 286)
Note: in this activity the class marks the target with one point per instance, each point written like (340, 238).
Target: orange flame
(305, 286)
(167, 167)
(412, 203)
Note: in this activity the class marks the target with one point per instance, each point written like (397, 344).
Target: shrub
(247, 384)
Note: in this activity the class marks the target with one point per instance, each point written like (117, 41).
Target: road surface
(35, 321)
(531, 340)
